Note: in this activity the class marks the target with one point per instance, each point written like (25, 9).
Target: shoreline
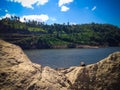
(66, 47)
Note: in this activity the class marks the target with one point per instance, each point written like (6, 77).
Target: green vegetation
(34, 34)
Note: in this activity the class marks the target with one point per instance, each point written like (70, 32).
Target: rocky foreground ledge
(17, 72)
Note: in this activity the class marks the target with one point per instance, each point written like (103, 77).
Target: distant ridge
(37, 35)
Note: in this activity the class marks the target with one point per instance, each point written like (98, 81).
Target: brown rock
(17, 72)
(104, 75)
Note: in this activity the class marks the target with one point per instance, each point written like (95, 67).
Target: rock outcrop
(17, 72)
(104, 75)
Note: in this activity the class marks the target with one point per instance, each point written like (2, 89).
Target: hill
(34, 34)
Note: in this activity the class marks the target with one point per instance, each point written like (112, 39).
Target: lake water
(63, 58)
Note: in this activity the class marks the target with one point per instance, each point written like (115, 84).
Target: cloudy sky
(63, 11)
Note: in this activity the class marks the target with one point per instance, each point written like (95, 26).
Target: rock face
(104, 75)
(17, 72)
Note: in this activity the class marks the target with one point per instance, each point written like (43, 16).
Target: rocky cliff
(17, 72)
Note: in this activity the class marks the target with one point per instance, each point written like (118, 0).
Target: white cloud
(64, 8)
(29, 3)
(7, 15)
(63, 2)
(53, 19)
(73, 23)
(62, 5)
(94, 8)
(39, 18)
(42, 2)
(6, 10)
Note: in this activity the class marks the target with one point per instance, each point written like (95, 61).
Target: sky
(63, 11)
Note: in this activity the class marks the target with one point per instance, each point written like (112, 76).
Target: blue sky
(63, 11)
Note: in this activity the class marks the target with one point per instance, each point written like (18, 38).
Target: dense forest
(33, 34)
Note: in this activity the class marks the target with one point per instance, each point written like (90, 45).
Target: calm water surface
(59, 58)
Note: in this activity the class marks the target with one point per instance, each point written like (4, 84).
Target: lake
(64, 58)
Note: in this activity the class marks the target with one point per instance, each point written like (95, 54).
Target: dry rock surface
(17, 72)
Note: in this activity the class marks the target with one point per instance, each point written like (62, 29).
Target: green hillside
(34, 34)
